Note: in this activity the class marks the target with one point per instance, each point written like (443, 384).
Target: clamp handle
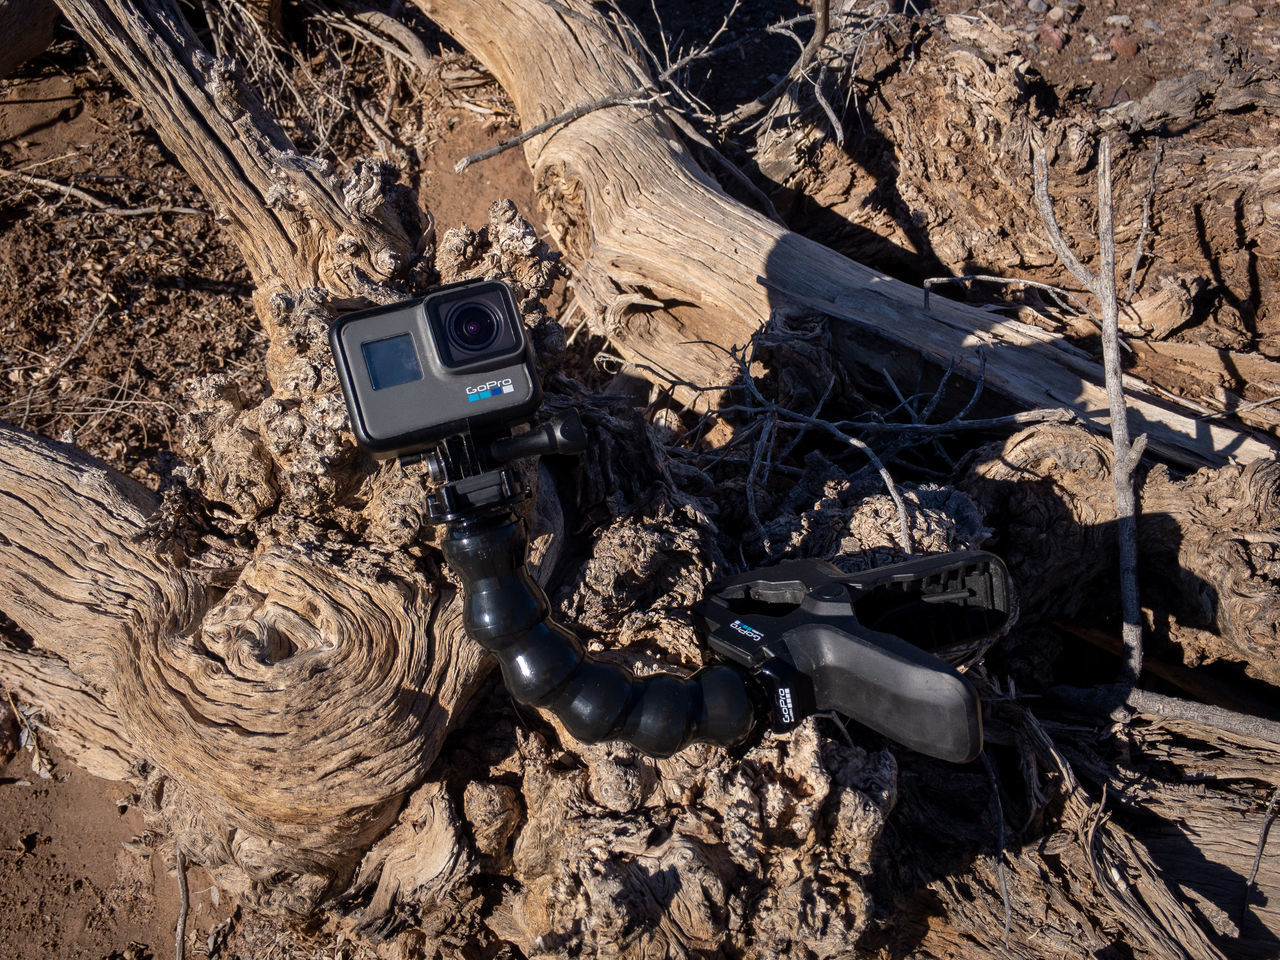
(816, 638)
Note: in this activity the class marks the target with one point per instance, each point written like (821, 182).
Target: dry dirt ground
(105, 315)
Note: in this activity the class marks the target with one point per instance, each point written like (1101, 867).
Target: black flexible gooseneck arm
(799, 637)
(544, 664)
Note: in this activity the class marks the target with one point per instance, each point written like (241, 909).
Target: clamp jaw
(815, 638)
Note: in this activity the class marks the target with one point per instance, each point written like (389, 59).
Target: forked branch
(1127, 455)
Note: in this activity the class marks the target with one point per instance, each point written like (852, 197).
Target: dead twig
(821, 16)
(1000, 871)
(955, 425)
(1267, 819)
(1117, 703)
(1103, 286)
(904, 526)
(627, 99)
(66, 358)
(377, 29)
(932, 282)
(99, 205)
(636, 96)
(1138, 252)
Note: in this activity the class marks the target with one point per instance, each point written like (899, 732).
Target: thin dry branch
(1138, 251)
(773, 410)
(1000, 841)
(1103, 286)
(1117, 703)
(1267, 819)
(184, 904)
(821, 26)
(99, 205)
(627, 99)
(641, 94)
(932, 282)
(376, 29)
(66, 358)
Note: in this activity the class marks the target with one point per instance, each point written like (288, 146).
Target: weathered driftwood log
(669, 265)
(938, 182)
(279, 686)
(277, 722)
(1104, 850)
(1208, 543)
(26, 27)
(296, 225)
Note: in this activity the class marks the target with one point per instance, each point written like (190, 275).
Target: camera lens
(473, 326)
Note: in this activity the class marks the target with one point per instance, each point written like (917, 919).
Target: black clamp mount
(800, 637)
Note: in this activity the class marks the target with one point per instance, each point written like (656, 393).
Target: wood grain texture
(1134, 859)
(669, 264)
(1207, 543)
(284, 719)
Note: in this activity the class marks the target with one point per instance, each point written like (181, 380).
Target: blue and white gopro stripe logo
(494, 388)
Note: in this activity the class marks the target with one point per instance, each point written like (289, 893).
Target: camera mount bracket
(443, 378)
(798, 637)
(473, 475)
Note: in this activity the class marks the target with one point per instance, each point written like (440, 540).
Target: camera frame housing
(410, 379)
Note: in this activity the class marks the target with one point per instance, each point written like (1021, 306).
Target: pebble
(1243, 11)
(1037, 6)
(1052, 36)
(1120, 20)
(1124, 44)
(1057, 15)
(1104, 57)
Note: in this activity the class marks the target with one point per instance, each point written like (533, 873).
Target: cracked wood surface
(673, 266)
(284, 719)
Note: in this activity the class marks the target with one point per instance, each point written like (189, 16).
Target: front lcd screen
(391, 361)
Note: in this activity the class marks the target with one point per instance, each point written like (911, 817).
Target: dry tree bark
(668, 264)
(253, 678)
(1207, 543)
(296, 224)
(268, 720)
(939, 183)
(277, 661)
(1156, 868)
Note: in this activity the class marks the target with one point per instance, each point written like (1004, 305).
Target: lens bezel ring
(454, 330)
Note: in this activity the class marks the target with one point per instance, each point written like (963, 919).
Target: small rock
(1120, 20)
(1124, 44)
(1052, 36)
(1057, 15)
(1104, 57)
(1037, 6)
(1242, 11)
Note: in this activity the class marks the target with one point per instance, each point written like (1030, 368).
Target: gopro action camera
(454, 361)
